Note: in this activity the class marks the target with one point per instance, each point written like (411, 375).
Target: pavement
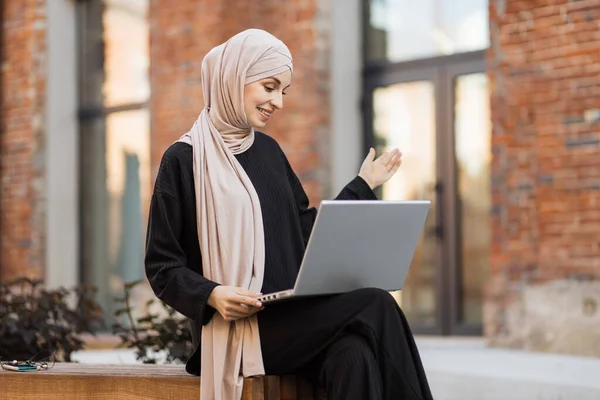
(465, 369)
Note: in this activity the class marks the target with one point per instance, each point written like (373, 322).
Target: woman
(229, 219)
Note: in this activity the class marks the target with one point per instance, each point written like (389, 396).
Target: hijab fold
(229, 218)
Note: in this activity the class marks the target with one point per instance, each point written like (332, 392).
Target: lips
(265, 113)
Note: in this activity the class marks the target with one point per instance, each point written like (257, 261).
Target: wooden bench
(68, 381)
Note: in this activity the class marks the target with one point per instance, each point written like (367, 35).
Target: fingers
(395, 167)
(249, 301)
(237, 311)
(388, 156)
(235, 302)
(248, 297)
(395, 153)
(249, 310)
(394, 158)
(242, 309)
(248, 293)
(385, 157)
(371, 155)
(395, 161)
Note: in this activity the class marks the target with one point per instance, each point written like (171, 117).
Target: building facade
(495, 105)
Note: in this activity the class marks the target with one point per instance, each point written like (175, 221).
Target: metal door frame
(456, 326)
(441, 71)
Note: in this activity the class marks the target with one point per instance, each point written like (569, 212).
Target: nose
(277, 101)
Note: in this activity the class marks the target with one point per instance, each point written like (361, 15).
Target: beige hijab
(230, 227)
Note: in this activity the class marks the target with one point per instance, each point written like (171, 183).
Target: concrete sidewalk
(465, 369)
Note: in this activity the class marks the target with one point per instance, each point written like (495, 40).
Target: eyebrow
(278, 82)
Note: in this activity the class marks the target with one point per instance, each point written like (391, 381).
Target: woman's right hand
(234, 303)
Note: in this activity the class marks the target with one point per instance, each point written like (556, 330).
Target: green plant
(34, 319)
(152, 333)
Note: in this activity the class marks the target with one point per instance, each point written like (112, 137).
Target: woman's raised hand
(378, 171)
(234, 303)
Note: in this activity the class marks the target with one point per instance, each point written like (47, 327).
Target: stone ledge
(561, 316)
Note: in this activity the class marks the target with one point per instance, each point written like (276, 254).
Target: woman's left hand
(378, 171)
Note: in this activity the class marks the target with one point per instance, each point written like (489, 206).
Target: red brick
(183, 32)
(23, 89)
(541, 88)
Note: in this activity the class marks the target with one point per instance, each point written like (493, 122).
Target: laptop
(358, 244)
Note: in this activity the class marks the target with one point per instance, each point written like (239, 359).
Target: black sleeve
(307, 214)
(171, 280)
(357, 189)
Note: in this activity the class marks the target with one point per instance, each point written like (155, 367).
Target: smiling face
(262, 98)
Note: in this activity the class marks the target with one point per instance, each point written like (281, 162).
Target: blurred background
(495, 105)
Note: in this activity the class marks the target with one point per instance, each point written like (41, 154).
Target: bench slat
(24, 386)
(272, 388)
(132, 382)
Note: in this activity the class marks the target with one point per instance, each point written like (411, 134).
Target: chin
(258, 124)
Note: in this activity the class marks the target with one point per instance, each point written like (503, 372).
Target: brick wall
(183, 32)
(544, 67)
(21, 144)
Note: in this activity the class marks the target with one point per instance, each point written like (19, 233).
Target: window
(114, 90)
(402, 30)
(426, 92)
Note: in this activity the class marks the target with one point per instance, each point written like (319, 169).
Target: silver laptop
(358, 244)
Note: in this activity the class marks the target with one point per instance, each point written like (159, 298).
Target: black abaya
(328, 332)
(358, 343)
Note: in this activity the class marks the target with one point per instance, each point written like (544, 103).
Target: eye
(269, 89)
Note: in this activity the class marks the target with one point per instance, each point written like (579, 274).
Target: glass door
(439, 117)
(470, 239)
(403, 115)
(409, 124)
